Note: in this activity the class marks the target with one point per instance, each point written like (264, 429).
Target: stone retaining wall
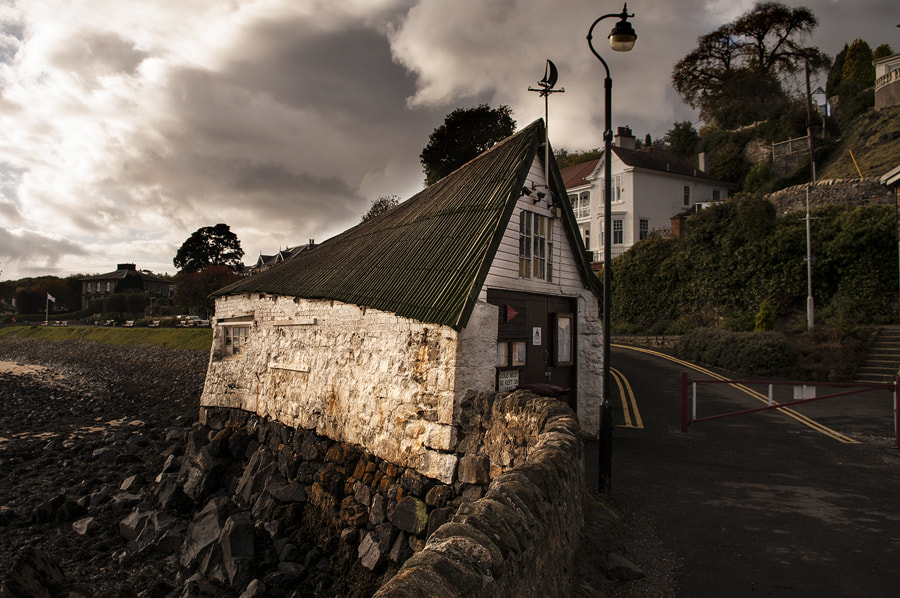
(508, 525)
(846, 192)
(649, 341)
(520, 538)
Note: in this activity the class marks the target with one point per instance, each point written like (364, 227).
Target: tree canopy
(851, 78)
(192, 289)
(734, 75)
(682, 140)
(210, 246)
(465, 133)
(380, 206)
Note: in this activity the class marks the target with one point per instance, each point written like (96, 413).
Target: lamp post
(621, 39)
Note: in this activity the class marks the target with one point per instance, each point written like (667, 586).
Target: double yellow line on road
(806, 421)
(629, 403)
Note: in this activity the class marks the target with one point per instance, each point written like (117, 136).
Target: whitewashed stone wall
(363, 376)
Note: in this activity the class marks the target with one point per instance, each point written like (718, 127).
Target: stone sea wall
(507, 526)
(520, 538)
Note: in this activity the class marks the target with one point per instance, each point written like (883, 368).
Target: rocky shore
(110, 480)
(81, 440)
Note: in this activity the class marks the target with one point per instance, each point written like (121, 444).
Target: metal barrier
(689, 416)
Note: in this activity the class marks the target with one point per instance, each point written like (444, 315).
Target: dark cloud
(125, 130)
(34, 251)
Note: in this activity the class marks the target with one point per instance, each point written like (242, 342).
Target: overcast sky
(125, 125)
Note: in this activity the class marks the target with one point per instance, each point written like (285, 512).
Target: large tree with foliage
(192, 289)
(210, 246)
(851, 78)
(734, 75)
(683, 140)
(465, 133)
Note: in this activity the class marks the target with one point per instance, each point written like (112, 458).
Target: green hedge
(753, 353)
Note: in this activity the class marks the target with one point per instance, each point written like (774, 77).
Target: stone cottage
(376, 336)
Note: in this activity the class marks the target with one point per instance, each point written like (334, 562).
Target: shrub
(754, 353)
(765, 318)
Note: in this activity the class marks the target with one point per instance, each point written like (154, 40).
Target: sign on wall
(507, 380)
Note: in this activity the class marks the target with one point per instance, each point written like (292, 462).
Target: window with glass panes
(583, 206)
(235, 338)
(533, 233)
(644, 226)
(618, 232)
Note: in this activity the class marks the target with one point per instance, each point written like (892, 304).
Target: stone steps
(882, 363)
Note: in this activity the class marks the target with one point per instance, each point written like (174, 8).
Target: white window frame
(687, 195)
(534, 232)
(235, 337)
(643, 228)
(618, 231)
(583, 205)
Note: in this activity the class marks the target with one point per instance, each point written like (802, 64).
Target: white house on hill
(376, 336)
(650, 186)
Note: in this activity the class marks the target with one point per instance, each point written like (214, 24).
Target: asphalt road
(763, 504)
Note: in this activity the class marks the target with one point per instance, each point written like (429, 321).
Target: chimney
(702, 158)
(125, 267)
(624, 138)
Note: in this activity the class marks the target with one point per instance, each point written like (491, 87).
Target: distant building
(264, 262)
(100, 286)
(650, 186)
(887, 82)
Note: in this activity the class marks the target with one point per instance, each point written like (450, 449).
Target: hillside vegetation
(874, 140)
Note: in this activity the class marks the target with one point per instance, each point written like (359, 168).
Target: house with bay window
(377, 336)
(650, 186)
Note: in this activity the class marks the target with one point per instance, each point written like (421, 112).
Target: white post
(770, 395)
(694, 408)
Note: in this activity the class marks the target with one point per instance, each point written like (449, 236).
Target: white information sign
(507, 380)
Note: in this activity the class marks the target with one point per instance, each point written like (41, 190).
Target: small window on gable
(534, 230)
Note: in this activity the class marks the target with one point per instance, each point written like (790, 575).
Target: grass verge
(199, 339)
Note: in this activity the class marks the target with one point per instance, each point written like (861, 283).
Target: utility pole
(810, 307)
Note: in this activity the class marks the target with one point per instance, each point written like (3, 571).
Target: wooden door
(536, 340)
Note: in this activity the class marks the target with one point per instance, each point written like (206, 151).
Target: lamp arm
(590, 36)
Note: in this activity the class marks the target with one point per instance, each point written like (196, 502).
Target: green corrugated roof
(427, 258)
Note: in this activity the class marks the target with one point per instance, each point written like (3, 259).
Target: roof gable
(653, 158)
(576, 175)
(646, 158)
(427, 258)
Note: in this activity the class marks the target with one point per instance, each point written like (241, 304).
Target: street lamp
(621, 39)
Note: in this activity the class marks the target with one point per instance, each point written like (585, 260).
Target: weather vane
(546, 88)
